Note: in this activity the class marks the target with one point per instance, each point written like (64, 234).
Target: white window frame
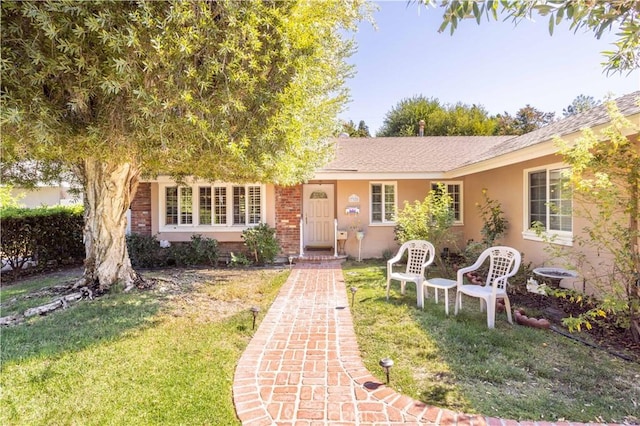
(564, 238)
(229, 226)
(460, 186)
(383, 222)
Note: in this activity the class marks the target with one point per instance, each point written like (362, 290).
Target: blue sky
(495, 64)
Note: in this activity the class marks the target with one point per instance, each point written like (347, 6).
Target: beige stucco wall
(227, 235)
(507, 185)
(379, 238)
(45, 196)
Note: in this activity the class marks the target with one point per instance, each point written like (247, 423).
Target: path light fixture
(386, 363)
(290, 262)
(254, 310)
(353, 294)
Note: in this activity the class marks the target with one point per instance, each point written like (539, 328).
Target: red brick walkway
(303, 366)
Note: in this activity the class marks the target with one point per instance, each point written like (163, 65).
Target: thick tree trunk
(108, 190)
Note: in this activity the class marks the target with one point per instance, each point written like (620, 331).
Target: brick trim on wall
(288, 213)
(141, 210)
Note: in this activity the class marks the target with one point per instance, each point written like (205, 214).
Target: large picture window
(548, 202)
(218, 205)
(454, 189)
(383, 202)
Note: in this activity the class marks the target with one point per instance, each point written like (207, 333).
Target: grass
(511, 372)
(165, 356)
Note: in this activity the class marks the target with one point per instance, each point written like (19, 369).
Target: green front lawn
(168, 356)
(165, 356)
(513, 371)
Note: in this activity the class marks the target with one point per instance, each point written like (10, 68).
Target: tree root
(61, 302)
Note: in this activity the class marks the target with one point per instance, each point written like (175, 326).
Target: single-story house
(61, 194)
(369, 179)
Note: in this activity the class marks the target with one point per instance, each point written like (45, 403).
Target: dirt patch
(604, 334)
(207, 295)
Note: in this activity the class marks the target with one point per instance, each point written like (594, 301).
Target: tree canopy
(623, 16)
(361, 131)
(580, 104)
(233, 91)
(526, 119)
(222, 90)
(439, 119)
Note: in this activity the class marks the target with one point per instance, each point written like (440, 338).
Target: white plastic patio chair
(504, 263)
(420, 254)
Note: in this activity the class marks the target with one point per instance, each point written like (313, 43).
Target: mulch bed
(604, 334)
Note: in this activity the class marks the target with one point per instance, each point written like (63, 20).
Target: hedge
(45, 235)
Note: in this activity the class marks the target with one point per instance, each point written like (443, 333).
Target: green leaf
(551, 21)
(559, 15)
(476, 12)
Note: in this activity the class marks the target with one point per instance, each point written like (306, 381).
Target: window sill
(204, 228)
(559, 238)
(375, 224)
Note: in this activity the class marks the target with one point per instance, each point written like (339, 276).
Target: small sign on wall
(353, 198)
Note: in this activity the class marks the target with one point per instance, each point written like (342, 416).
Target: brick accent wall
(288, 213)
(141, 210)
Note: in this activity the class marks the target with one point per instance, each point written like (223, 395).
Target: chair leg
(458, 303)
(388, 284)
(446, 301)
(420, 294)
(403, 284)
(491, 313)
(507, 307)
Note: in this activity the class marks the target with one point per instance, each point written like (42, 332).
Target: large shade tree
(439, 119)
(220, 90)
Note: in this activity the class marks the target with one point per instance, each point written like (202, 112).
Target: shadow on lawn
(83, 324)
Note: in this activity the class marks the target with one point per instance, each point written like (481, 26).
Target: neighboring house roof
(448, 156)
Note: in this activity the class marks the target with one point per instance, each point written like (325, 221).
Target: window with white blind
(383, 202)
(548, 204)
(211, 206)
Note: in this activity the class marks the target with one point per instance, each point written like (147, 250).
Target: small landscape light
(353, 294)
(290, 261)
(254, 310)
(386, 363)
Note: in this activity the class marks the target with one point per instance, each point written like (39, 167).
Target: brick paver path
(303, 366)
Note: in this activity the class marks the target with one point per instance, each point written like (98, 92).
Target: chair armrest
(432, 256)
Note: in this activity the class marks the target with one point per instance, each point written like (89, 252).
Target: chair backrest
(503, 261)
(417, 253)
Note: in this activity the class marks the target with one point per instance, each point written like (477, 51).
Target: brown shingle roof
(408, 154)
(627, 105)
(446, 153)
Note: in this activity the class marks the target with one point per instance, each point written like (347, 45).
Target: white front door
(318, 215)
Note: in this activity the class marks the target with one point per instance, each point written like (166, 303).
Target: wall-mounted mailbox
(342, 235)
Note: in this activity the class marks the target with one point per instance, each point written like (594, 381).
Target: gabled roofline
(354, 175)
(532, 152)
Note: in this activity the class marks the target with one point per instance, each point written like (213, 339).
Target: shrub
(199, 251)
(145, 251)
(262, 243)
(429, 220)
(239, 259)
(48, 235)
(494, 223)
